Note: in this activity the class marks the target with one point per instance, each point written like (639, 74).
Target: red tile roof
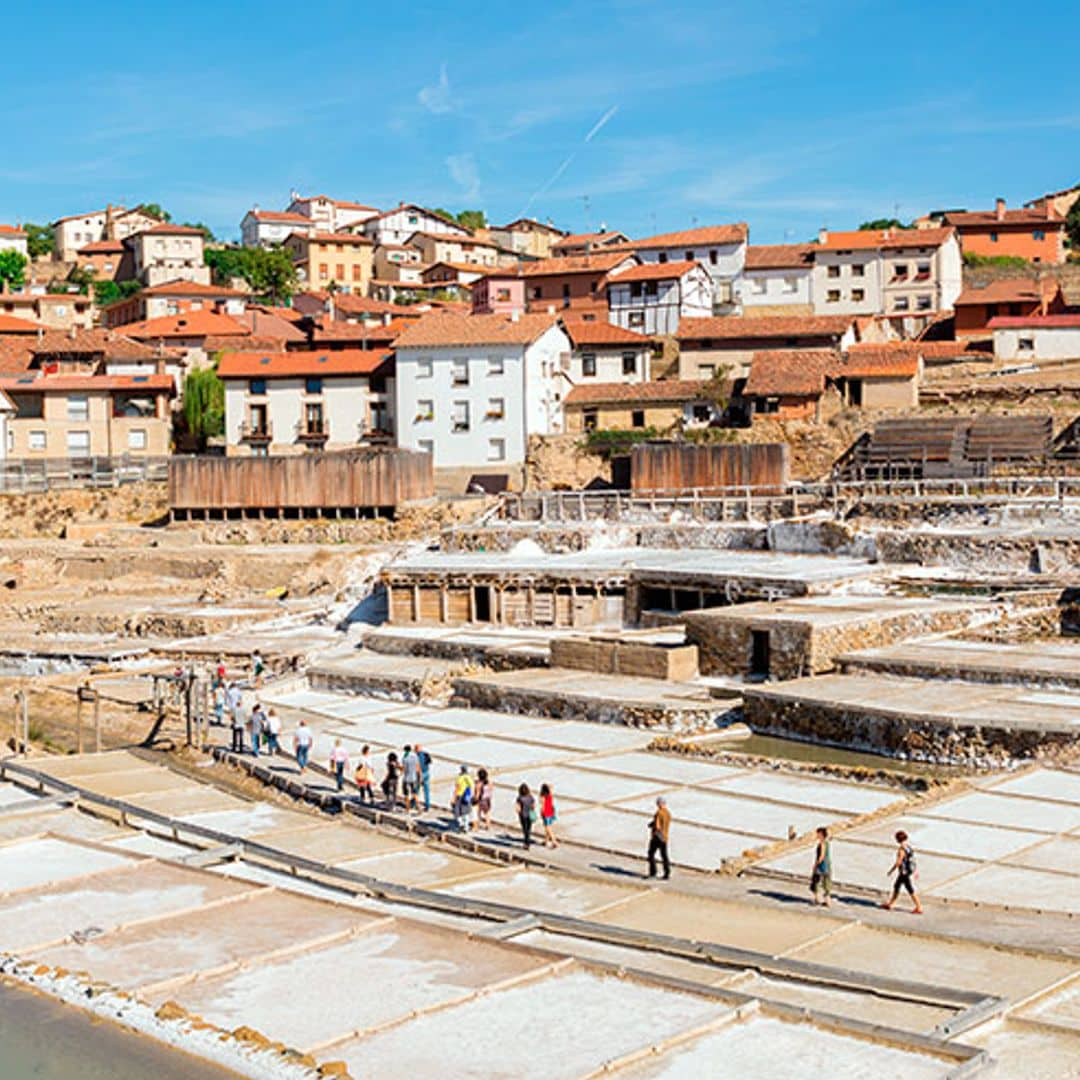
(103, 247)
(703, 236)
(794, 372)
(593, 239)
(180, 287)
(280, 215)
(1005, 291)
(871, 360)
(879, 239)
(656, 392)
(109, 343)
(266, 324)
(600, 332)
(62, 383)
(188, 324)
(10, 324)
(652, 272)
(779, 256)
(737, 327)
(11, 230)
(444, 328)
(1035, 322)
(596, 263)
(348, 304)
(300, 363)
(1028, 216)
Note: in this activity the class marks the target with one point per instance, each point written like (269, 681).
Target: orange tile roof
(601, 332)
(337, 238)
(706, 234)
(464, 241)
(878, 239)
(596, 263)
(61, 383)
(266, 324)
(1035, 322)
(737, 327)
(11, 324)
(180, 287)
(187, 324)
(652, 272)
(300, 363)
(1004, 291)
(659, 391)
(779, 256)
(109, 343)
(532, 223)
(871, 360)
(102, 247)
(280, 215)
(167, 228)
(794, 372)
(11, 230)
(965, 219)
(350, 304)
(445, 328)
(604, 239)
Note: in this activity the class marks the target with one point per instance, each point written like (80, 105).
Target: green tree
(204, 405)
(472, 219)
(882, 223)
(82, 277)
(108, 292)
(154, 210)
(1072, 226)
(973, 259)
(39, 239)
(208, 233)
(269, 272)
(13, 268)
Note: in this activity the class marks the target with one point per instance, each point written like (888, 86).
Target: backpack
(907, 864)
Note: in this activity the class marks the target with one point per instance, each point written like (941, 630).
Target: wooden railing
(55, 474)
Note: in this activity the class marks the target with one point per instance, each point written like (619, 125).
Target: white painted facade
(330, 215)
(781, 287)
(1027, 343)
(655, 307)
(72, 233)
(350, 410)
(14, 240)
(258, 229)
(608, 364)
(475, 406)
(396, 226)
(161, 257)
(722, 262)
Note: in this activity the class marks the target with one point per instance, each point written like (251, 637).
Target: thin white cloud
(465, 174)
(599, 125)
(437, 98)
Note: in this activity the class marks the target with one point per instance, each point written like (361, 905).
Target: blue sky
(644, 116)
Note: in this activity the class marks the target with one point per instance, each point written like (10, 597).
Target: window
(858, 270)
(834, 271)
(1038, 234)
(629, 363)
(36, 440)
(496, 409)
(635, 288)
(637, 418)
(313, 418)
(993, 238)
(700, 412)
(78, 407)
(537, 292)
(588, 364)
(900, 272)
(922, 272)
(460, 371)
(78, 443)
(858, 295)
(313, 386)
(833, 296)
(924, 302)
(502, 296)
(137, 439)
(324, 271)
(1026, 344)
(257, 387)
(706, 371)
(589, 419)
(356, 273)
(714, 257)
(496, 450)
(636, 319)
(900, 304)
(425, 410)
(650, 288)
(566, 292)
(761, 286)
(791, 285)
(496, 366)
(767, 405)
(423, 367)
(662, 257)
(460, 416)
(689, 256)
(425, 446)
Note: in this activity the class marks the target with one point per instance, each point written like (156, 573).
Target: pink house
(498, 294)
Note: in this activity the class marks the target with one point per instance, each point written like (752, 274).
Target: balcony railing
(257, 433)
(312, 431)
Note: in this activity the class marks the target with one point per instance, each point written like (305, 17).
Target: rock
(170, 1010)
(333, 1068)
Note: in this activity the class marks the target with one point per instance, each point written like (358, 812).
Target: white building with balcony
(653, 298)
(471, 389)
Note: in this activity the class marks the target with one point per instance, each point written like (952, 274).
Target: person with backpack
(904, 869)
(424, 758)
(821, 875)
(526, 811)
(461, 807)
(365, 777)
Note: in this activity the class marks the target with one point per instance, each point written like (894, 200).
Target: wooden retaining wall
(677, 466)
(378, 479)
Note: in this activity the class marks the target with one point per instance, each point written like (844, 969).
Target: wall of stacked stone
(985, 553)
(579, 537)
(492, 656)
(638, 659)
(904, 736)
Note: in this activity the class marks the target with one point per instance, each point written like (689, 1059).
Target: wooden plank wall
(365, 478)
(675, 466)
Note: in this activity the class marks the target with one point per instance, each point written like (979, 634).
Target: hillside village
(334, 325)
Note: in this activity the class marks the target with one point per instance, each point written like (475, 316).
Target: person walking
(273, 732)
(219, 706)
(659, 830)
(410, 780)
(255, 725)
(258, 667)
(425, 775)
(548, 815)
(219, 674)
(904, 868)
(821, 875)
(390, 781)
(463, 799)
(485, 790)
(526, 812)
(339, 762)
(302, 739)
(365, 777)
(235, 700)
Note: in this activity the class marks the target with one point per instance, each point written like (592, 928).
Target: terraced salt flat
(36, 862)
(987, 808)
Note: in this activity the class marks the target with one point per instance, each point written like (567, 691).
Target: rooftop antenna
(588, 216)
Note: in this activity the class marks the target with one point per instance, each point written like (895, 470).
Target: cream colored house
(12, 238)
(525, 236)
(436, 248)
(169, 253)
(330, 215)
(321, 258)
(57, 311)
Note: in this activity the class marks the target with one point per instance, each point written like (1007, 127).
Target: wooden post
(78, 720)
(97, 722)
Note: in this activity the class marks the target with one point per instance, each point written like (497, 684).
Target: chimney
(515, 315)
(1051, 211)
(999, 209)
(823, 236)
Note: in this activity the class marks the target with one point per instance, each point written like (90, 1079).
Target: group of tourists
(903, 867)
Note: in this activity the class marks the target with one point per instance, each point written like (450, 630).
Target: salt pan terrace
(1012, 842)
(605, 782)
(232, 942)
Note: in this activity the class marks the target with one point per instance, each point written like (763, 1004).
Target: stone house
(623, 406)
